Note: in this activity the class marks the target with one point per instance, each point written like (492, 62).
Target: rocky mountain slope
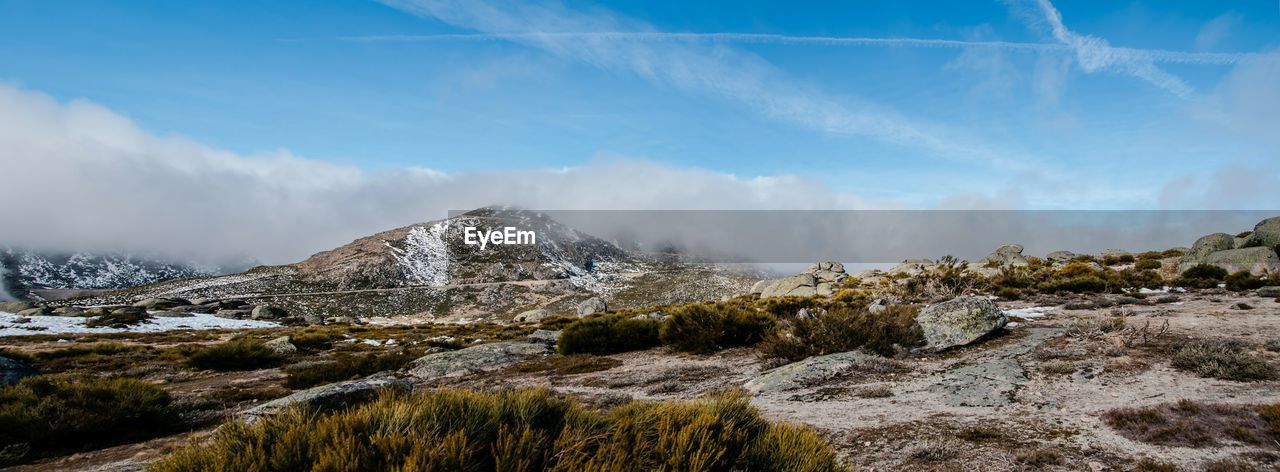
(26, 270)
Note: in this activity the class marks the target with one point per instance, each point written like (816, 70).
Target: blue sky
(1030, 104)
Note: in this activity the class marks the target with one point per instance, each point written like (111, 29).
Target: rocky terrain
(1155, 360)
(26, 273)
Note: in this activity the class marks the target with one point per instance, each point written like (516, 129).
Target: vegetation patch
(707, 327)
(608, 334)
(844, 329)
(1193, 424)
(43, 416)
(1222, 359)
(346, 366)
(118, 319)
(236, 354)
(512, 430)
(568, 365)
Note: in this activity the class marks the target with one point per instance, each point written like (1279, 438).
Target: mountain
(26, 270)
(436, 254)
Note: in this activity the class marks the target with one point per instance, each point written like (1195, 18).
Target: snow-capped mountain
(437, 254)
(25, 270)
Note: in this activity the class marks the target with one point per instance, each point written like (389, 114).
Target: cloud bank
(81, 177)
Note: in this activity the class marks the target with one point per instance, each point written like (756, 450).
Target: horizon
(276, 131)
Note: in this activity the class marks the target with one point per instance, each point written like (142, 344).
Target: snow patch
(75, 325)
(1030, 312)
(425, 257)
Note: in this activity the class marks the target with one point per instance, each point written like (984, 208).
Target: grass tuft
(1222, 359)
(237, 354)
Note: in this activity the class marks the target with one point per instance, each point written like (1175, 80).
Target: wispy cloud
(714, 70)
(1130, 54)
(1095, 54)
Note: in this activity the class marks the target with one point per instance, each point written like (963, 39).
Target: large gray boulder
(12, 371)
(819, 279)
(1265, 234)
(544, 336)
(592, 305)
(807, 373)
(1269, 291)
(328, 397)
(1060, 256)
(14, 307)
(1256, 260)
(912, 266)
(959, 321)
(281, 345)
(802, 285)
(160, 303)
(481, 358)
(1203, 247)
(1008, 255)
(536, 314)
(267, 312)
(37, 311)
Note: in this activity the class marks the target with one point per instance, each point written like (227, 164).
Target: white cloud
(79, 176)
(1217, 29)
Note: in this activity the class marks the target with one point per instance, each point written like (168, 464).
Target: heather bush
(608, 334)
(236, 354)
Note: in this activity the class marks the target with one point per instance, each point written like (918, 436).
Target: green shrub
(706, 327)
(1205, 271)
(1008, 293)
(1222, 359)
(515, 430)
(1243, 281)
(608, 334)
(345, 366)
(43, 416)
(841, 330)
(1076, 284)
(1147, 264)
(236, 354)
(1117, 260)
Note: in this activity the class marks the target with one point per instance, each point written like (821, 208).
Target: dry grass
(568, 365)
(1058, 367)
(237, 354)
(518, 430)
(1222, 359)
(1192, 424)
(842, 330)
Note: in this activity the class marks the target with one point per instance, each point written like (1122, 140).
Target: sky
(276, 129)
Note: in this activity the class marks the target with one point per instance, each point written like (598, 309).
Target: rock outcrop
(328, 397)
(1255, 253)
(12, 371)
(959, 321)
(1256, 260)
(806, 372)
(484, 357)
(592, 305)
(1203, 247)
(1265, 234)
(536, 314)
(819, 279)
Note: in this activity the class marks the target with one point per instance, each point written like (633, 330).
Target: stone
(160, 303)
(959, 321)
(808, 313)
(14, 307)
(37, 311)
(536, 314)
(1272, 291)
(232, 314)
(267, 312)
(986, 384)
(807, 372)
(171, 314)
(1265, 234)
(1203, 247)
(69, 311)
(12, 371)
(479, 358)
(347, 320)
(878, 305)
(1008, 255)
(592, 305)
(1255, 260)
(759, 287)
(803, 285)
(1060, 256)
(281, 345)
(912, 266)
(329, 397)
(545, 336)
(129, 310)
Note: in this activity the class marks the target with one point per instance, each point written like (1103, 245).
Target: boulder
(37, 311)
(803, 285)
(69, 311)
(96, 311)
(1256, 260)
(532, 315)
(759, 287)
(346, 320)
(810, 313)
(1061, 256)
(1203, 247)
(1269, 292)
(232, 314)
(592, 305)
(806, 373)
(160, 303)
(171, 314)
(1265, 234)
(912, 266)
(267, 312)
(1008, 255)
(545, 336)
(14, 307)
(281, 345)
(129, 310)
(329, 397)
(878, 305)
(479, 358)
(819, 279)
(959, 321)
(12, 371)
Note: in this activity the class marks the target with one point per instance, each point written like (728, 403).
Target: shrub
(345, 366)
(1117, 260)
(1147, 264)
(237, 354)
(518, 430)
(1243, 281)
(1225, 359)
(1076, 284)
(1205, 271)
(1189, 423)
(705, 327)
(843, 329)
(568, 365)
(1008, 293)
(608, 334)
(42, 415)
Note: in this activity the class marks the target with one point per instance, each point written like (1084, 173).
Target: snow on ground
(1147, 291)
(1029, 312)
(75, 325)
